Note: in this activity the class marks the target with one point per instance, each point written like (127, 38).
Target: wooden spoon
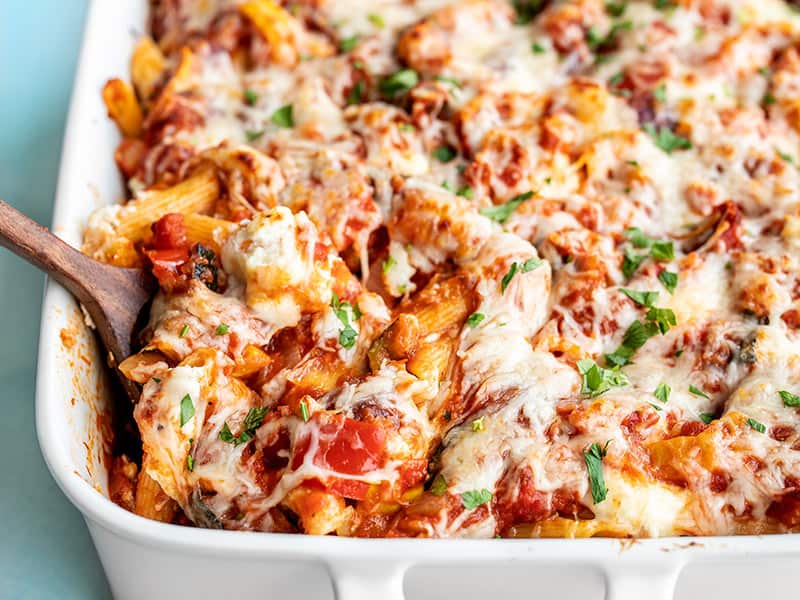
(114, 297)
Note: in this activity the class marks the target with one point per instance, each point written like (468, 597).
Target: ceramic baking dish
(148, 560)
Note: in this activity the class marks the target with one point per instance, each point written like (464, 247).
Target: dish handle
(367, 581)
(636, 582)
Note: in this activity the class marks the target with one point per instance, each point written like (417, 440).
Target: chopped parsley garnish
(283, 117)
(528, 265)
(187, 409)
(355, 94)
(398, 82)
(304, 411)
(664, 4)
(765, 71)
(190, 461)
(616, 9)
(616, 79)
(250, 97)
(475, 319)
(597, 380)
(502, 212)
(408, 128)
(450, 80)
(631, 262)
(477, 425)
(759, 427)
(526, 10)
(665, 139)
(376, 20)
(222, 329)
(597, 42)
(537, 48)
(662, 318)
(660, 93)
(444, 154)
(475, 498)
(184, 331)
(769, 98)
(662, 392)
(388, 263)
(347, 335)
(697, 392)
(706, 417)
(594, 456)
(252, 136)
(252, 421)
(465, 191)
(635, 337)
(647, 299)
(156, 379)
(348, 43)
(669, 280)
(786, 157)
(660, 250)
(439, 485)
(658, 321)
(788, 398)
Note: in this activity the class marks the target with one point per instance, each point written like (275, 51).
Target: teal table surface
(45, 550)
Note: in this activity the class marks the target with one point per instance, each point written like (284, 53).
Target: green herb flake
(706, 417)
(250, 97)
(347, 335)
(662, 392)
(635, 337)
(444, 154)
(663, 318)
(501, 212)
(465, 192)
(631, 262)
(222, 329)
(697, 392)
(765, 71)
(531, 264)
(439, 485)
(187, 409)
(508, 276)
(597, 380)
(759, 427)
(477, 425)
(616, 9)
(190, 461)
(789, 399)
(537, 48)
(356, 93)
(252, 136)
(376, 20)
(407, 128)
(616, 79)
(594, 456)
(348, 43)
(662, 251)
(450, 80)
(786, 157)
(769, 98)
(157, 380)
(225, 433)
(669, 280)
(398, 82)
(304, 411)
(660, 93)
(283, 117)
(475, 319)
(388, 263)
(184, 331)
(647, 299)
(475, 498)
(666, 140)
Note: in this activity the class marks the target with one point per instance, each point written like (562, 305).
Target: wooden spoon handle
(34, 243)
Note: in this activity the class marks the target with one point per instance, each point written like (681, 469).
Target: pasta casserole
(463, 269)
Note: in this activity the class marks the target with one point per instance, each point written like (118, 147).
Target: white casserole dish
(146, 559)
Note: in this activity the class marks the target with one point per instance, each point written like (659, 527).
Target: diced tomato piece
(349, 446)
(166, 266)
(169, 232)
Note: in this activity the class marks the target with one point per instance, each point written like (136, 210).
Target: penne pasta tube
(123, 107)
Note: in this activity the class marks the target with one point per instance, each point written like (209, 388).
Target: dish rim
(94, 506)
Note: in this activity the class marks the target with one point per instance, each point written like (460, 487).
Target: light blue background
(45, 550)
